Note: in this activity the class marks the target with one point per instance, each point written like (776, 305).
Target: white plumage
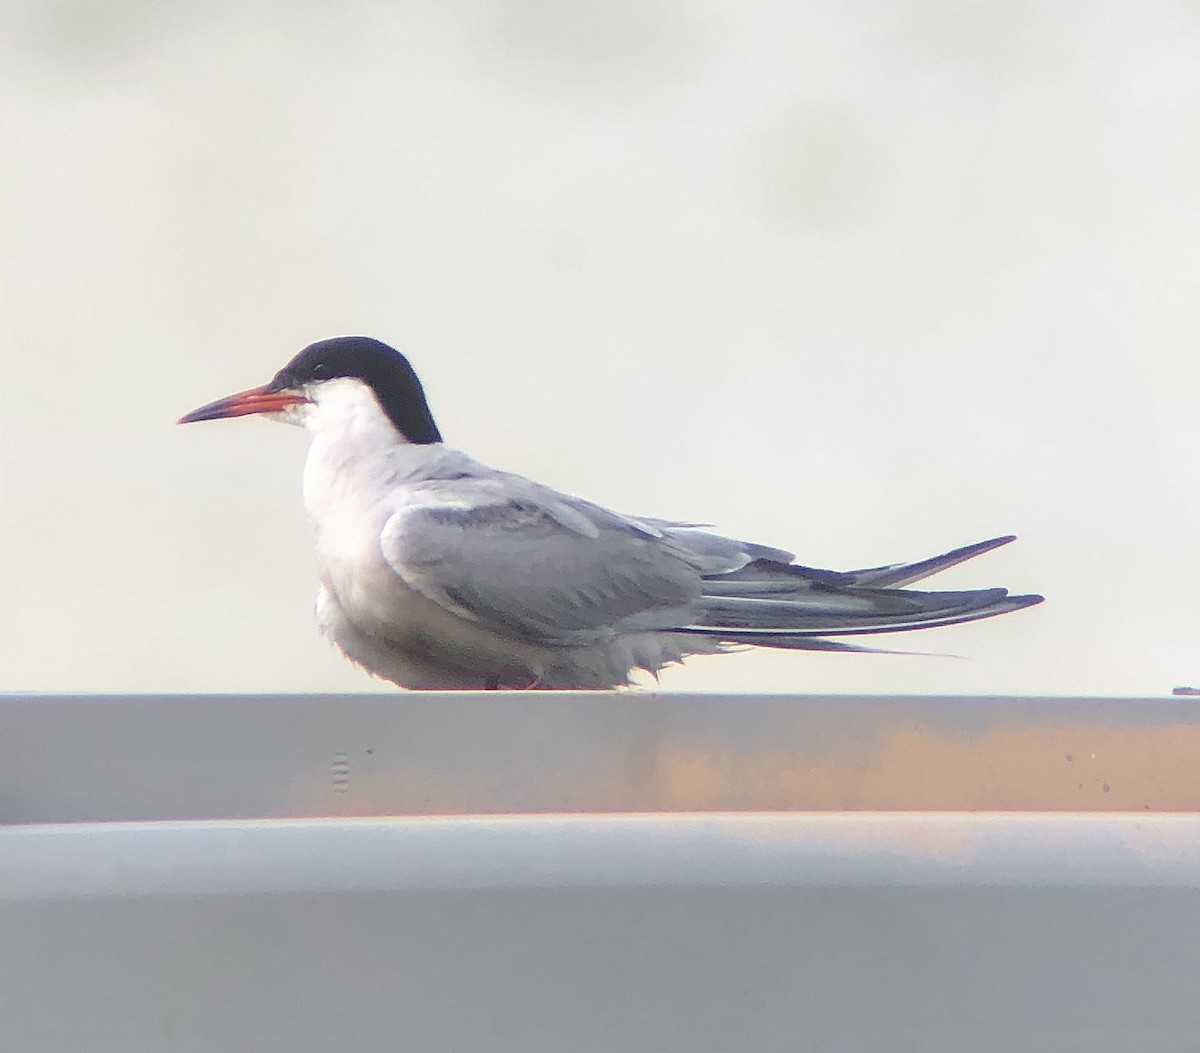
(440, 572)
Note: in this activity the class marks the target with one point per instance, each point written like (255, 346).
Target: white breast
(359, 471)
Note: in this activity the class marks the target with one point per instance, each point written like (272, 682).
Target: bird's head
(332, 374)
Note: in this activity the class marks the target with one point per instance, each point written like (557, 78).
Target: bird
(438, 572)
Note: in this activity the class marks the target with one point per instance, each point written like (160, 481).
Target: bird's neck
(357, 453)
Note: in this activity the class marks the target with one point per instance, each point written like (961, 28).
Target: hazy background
(868, 281)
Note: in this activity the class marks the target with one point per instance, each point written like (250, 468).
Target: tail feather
(779, 636)
(774, 604)
(861, 608)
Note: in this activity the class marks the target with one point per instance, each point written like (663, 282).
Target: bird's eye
(320, 371)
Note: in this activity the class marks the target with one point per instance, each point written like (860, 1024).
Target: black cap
(383, 368)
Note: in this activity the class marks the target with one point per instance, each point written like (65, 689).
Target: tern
(439, 572)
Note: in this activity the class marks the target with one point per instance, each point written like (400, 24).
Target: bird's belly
(395, 632)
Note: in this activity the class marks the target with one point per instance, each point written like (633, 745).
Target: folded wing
(785, 605)
(528, 562)
(540, 570)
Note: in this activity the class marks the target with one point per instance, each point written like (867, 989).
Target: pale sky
(866, 281)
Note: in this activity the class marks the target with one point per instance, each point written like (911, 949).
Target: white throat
(345, 410)
(358, 456)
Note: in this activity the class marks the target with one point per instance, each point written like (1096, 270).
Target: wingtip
(1029, 600)
(995, 542)
(899, 575)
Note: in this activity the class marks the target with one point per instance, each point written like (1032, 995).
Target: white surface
(867, 281)
(651, 932)
(642, 933)
(94, 758)
(711, 849)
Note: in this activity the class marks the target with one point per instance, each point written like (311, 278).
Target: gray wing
(529, 562)
(533, 563)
